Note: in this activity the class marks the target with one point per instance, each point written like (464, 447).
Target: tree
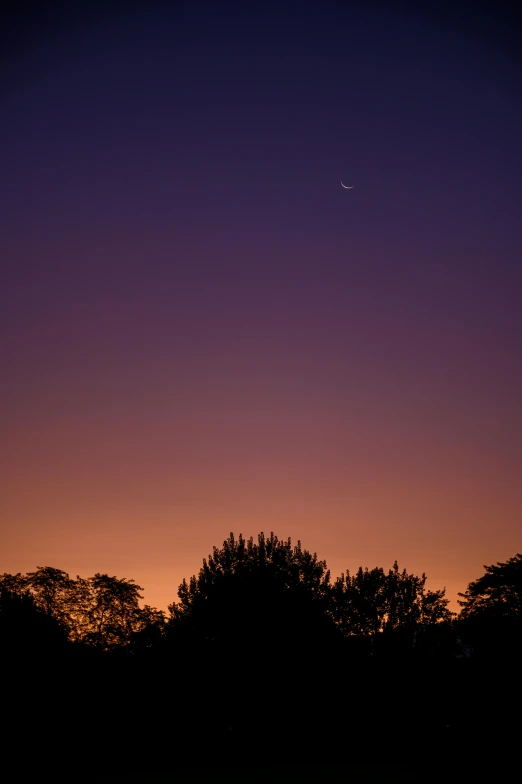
(410, 604)
(80, 621)
(490, 621)
(497, 593)
(148, 629)
(14, 583)
(254, 594)
(113, 612)
(101, 611)
(52, 590)
(359, 601)
(25, 629)
(396, 603)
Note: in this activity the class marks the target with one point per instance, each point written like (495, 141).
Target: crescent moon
(346, 186)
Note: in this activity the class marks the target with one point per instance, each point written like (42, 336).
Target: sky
(202, 332)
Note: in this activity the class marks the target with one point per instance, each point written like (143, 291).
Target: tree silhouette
(498, 592)
(261, 641)
(25, 629)
(410, 604)
(100, 611)
(52, 590)
(14, 583)
(255, 594)
(111, 617)
(396, 604)
(359, 601)
(147, 631)
(491, 617)
(114, 607)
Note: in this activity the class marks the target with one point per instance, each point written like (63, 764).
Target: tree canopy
(497, 592)
(25, 628)
(267, 592)
(254, 590)
(101, 612)
(491, 617)
(372, 601)
(261, 644)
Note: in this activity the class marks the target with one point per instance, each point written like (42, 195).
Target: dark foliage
(490, 621)
(101, 612)
(254, 596)
(25, 629)
(393, 612)
(262, 662)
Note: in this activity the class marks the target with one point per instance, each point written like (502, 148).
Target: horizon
(164, 602)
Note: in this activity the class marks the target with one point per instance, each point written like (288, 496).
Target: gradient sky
(202, 332)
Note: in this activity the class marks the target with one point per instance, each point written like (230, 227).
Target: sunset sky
(201, 331)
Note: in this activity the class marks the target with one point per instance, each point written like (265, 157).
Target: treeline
(263, 661)
(264, 596)
(99, 613)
